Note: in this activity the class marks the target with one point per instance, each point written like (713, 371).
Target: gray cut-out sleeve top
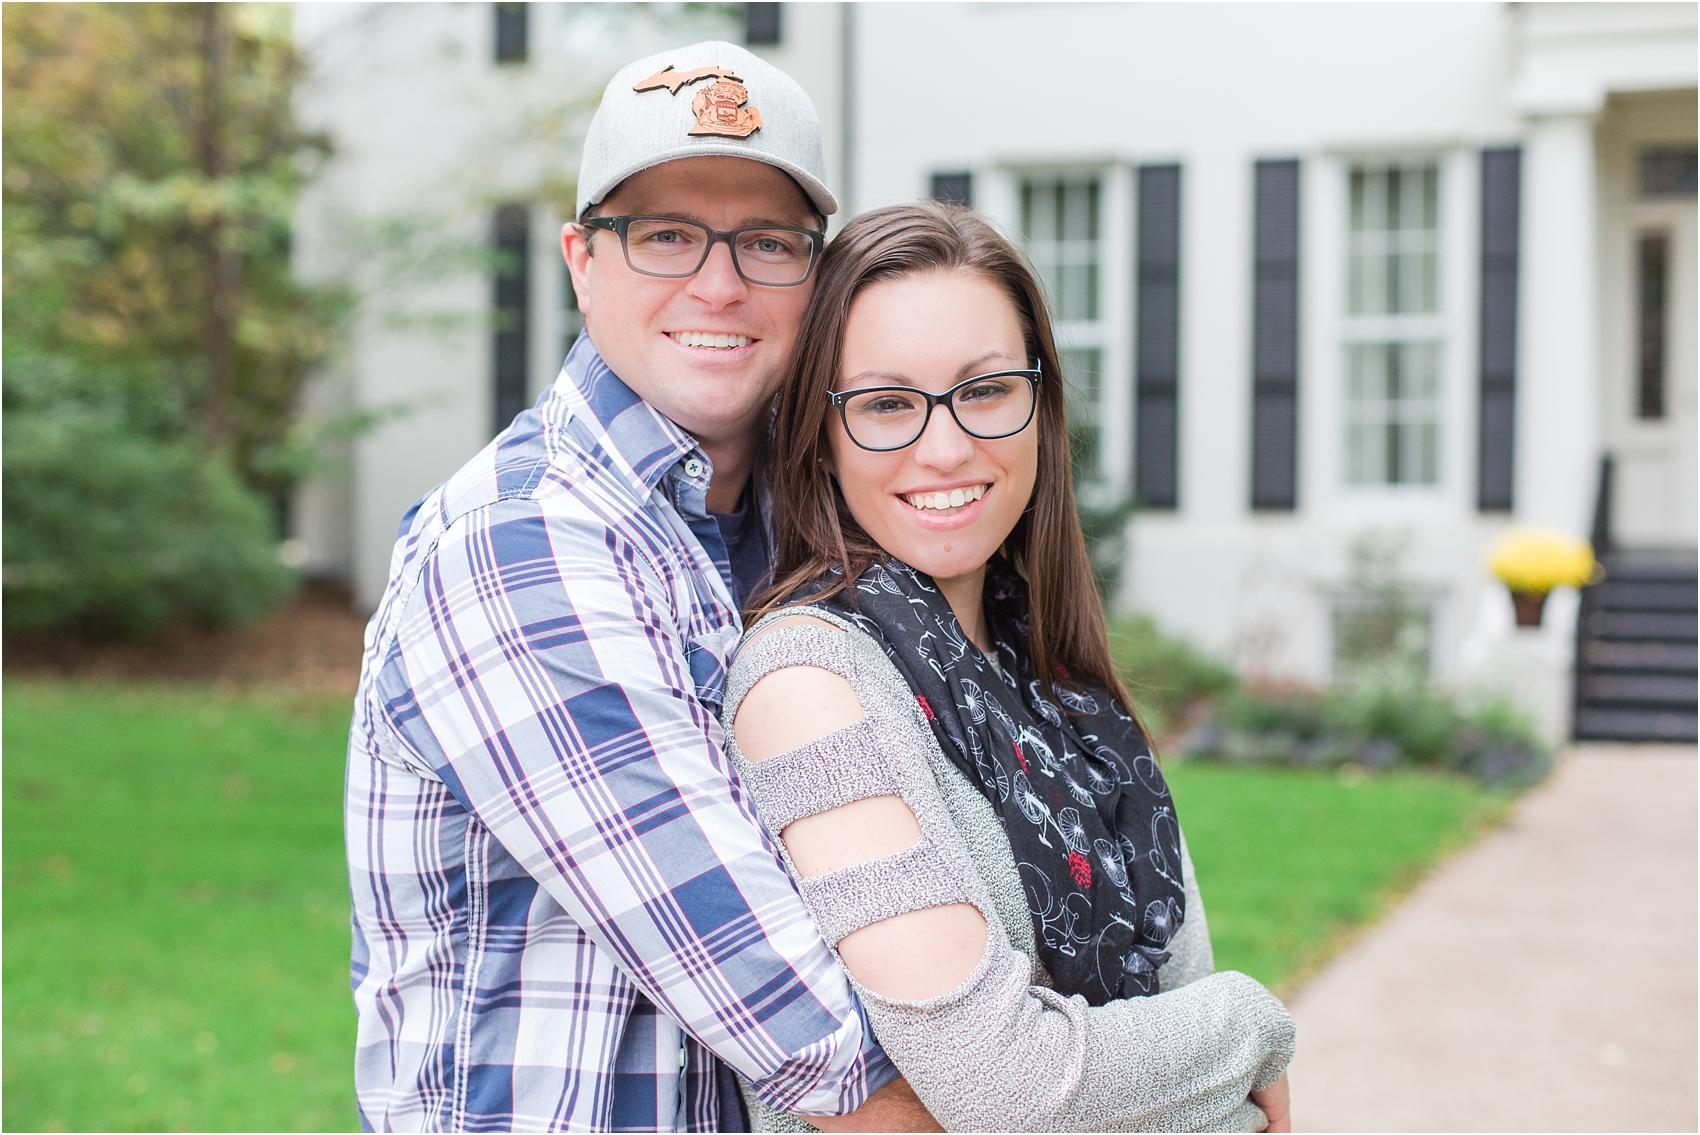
(1002, 1051)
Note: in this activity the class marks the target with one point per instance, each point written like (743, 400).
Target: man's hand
(1274, 1100)
(896, 1107)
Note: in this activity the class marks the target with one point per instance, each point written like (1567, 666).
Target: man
(565, 913)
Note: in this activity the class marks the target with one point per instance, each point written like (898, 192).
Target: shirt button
(694, 467)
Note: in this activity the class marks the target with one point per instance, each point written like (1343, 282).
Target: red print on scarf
(925, 708)
(1080, 869)
(1022, 757)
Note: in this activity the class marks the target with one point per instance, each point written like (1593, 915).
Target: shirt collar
(629, 429)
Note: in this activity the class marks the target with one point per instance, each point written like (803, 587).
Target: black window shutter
(957, 187)
(1501, 191)
(512, 294)
(761, 24)
(1275, 338)
(1157, 350)
(511, 33)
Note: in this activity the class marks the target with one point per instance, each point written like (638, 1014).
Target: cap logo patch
(720, 109)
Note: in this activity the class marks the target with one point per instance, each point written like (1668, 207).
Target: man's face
(647, 329)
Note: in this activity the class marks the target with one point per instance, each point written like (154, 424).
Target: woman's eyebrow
(972, 367)
(968, 369)
(878, 378)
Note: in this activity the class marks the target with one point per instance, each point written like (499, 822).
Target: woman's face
(931, 331)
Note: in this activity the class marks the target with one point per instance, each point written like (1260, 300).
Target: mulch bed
(313, 644)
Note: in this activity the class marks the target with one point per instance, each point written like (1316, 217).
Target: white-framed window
(1393, 327)
(1061, 220)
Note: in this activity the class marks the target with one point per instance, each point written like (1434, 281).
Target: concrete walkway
(1544, 980)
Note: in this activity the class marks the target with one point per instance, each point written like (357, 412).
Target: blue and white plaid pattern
(564, 907)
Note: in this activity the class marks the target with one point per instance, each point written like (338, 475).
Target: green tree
(156, 341)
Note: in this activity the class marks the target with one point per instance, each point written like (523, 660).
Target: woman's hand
(1276, 1104)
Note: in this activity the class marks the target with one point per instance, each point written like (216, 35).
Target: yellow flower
(1533, 561)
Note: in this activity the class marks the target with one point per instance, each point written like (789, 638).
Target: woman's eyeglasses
(987, 406)
(673, 249)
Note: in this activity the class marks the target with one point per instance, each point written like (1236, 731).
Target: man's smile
(716, 340)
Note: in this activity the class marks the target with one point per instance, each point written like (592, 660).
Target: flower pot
(1528, 606)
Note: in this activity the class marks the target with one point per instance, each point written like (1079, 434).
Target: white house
(1321, 271)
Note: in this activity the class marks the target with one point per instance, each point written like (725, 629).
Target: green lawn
(1290, 862)
(176, 949)
(176, 954)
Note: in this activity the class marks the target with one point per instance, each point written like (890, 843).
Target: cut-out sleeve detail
(823, 774)
(799, 644)
(845, 900)
(1001, 1051)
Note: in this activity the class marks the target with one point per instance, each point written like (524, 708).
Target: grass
(1291, 862)
(176, 954)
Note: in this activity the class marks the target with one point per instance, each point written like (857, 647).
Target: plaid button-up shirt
(564, 908)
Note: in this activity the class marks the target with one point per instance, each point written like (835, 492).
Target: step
(1643, 595)
(1602, 655)
(1674, 691)
(1634, 725)
(1660, 625)
(1647, 563)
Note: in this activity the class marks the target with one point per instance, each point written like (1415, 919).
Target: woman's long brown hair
(816, 531)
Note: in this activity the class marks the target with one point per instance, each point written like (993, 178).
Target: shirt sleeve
(999, 1052)
(540, 672)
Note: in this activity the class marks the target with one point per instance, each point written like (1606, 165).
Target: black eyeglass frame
(841, 399)
(620, 225)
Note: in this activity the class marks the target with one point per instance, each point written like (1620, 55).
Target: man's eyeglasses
(987, 406)
(671, 248)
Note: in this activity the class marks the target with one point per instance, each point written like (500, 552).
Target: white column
(1558, 407)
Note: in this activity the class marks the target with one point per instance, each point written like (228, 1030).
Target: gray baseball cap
(704, 100)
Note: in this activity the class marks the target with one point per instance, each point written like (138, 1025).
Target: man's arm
(540, 672)
(894, 1107)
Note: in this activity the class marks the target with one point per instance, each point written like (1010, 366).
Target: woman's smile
(945, 501)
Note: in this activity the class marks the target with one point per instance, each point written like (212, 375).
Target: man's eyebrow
(748, 222)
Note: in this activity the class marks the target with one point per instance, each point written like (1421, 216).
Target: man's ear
(575, 250)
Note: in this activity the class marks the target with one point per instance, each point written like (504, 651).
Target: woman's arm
(1190, 955)
(910, 956)
(838, 769)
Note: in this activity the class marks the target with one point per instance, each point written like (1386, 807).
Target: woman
(927, 719)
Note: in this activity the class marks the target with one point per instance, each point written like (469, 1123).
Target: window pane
(1393, 413)
(1650, 363)
(1393, 240)
(1668, 171)
(1393, 270)
(1060, 222)
(1083, 380)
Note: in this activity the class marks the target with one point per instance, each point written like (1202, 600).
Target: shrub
(1372, 726)
(1376, 722)
(112, 525)
(1165, 676)
(157, 340)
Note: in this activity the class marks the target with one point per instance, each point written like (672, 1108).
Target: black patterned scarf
(1086, 808)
